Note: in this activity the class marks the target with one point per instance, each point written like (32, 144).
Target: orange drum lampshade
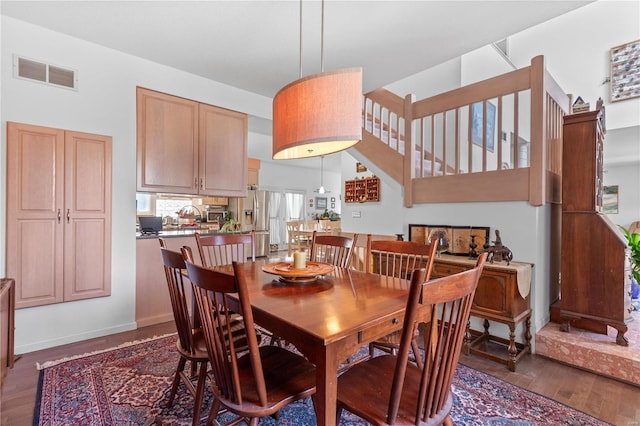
(318, 114)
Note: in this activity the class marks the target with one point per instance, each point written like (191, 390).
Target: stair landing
(592, 351)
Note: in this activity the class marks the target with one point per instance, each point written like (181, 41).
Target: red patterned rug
(129, 385)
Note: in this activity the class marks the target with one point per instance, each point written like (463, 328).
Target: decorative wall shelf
(362, 190)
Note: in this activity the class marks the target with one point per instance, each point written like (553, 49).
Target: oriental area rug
(129, 385)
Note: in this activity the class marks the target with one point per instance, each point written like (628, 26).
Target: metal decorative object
(497, 251)
(472, 248)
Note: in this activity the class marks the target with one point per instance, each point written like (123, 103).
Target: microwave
(216, 216)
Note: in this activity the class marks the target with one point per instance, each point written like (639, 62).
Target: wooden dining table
(328, 319)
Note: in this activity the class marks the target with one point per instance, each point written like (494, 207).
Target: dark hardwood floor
(607, 399)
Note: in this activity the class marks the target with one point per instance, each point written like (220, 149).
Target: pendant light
(318, 114)
(321, 190)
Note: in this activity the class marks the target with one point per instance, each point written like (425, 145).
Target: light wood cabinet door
(167, 143)
(87, 216)
(223, 152)
(55, 251)
(35, 203)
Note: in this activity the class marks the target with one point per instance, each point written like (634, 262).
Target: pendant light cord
(300, 65)
(322, 39)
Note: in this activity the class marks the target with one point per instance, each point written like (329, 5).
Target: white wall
(576, 47)
(105, 104)
(622, 168)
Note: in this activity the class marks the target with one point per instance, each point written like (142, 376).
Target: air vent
(30, 69)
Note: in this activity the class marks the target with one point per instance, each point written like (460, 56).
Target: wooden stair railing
(453, 161)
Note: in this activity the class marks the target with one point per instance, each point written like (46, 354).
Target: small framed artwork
(360, 168)
(333, 199)
(478, 123)
(321, 203)
(625, 71)
(461, 239)
(311, 202)
(610, 199)
(333, 205)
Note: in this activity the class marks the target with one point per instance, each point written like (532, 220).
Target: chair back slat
(211, 288)
(334, 249)
(180, 294)
(223, 249)
(399, 258)
(449, 300)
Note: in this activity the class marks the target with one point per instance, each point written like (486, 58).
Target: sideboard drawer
(441, 269)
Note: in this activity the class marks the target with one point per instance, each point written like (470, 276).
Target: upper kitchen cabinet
(167, 133)
(223, 152)
(253, 173)
(186, 147)
(58, 214)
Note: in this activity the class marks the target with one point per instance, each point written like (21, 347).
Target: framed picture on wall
(478, 123)
(610, 199)
(321, 203)
(625, 71)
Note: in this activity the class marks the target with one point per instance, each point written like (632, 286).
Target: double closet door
(58, 214)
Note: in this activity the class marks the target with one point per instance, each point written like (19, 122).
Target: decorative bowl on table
(289, 274)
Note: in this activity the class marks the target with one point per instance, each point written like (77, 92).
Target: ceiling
(255, 45)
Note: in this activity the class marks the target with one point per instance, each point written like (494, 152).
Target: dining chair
(334, 249)
(297, 236)
(389, 389)
(190, 343)
(222, 249)
(398, 259)
(262, 380)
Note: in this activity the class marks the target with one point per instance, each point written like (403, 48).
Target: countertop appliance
(150, 224)
(252, 213)
(216, 216)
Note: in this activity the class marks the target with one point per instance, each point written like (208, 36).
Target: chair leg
(371, 350)
(416, 353)
(213, 412)
(202, 380)
(176, 380)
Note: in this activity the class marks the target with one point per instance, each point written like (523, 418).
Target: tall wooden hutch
(595, 263)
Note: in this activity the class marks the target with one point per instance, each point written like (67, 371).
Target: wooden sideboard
(502, 296)
(7, 325)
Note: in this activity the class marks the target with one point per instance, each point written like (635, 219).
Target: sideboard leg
(466, 346)
(513, 350)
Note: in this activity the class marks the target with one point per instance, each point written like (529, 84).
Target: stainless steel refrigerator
(253, 214)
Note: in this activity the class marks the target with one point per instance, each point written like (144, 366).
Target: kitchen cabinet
(153, 305)
(215, 201)
(253, 176)
(58, 214)
(187, 147)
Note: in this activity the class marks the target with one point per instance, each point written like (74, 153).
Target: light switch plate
(355, 214)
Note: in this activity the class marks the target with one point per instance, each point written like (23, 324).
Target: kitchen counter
(183, 233)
